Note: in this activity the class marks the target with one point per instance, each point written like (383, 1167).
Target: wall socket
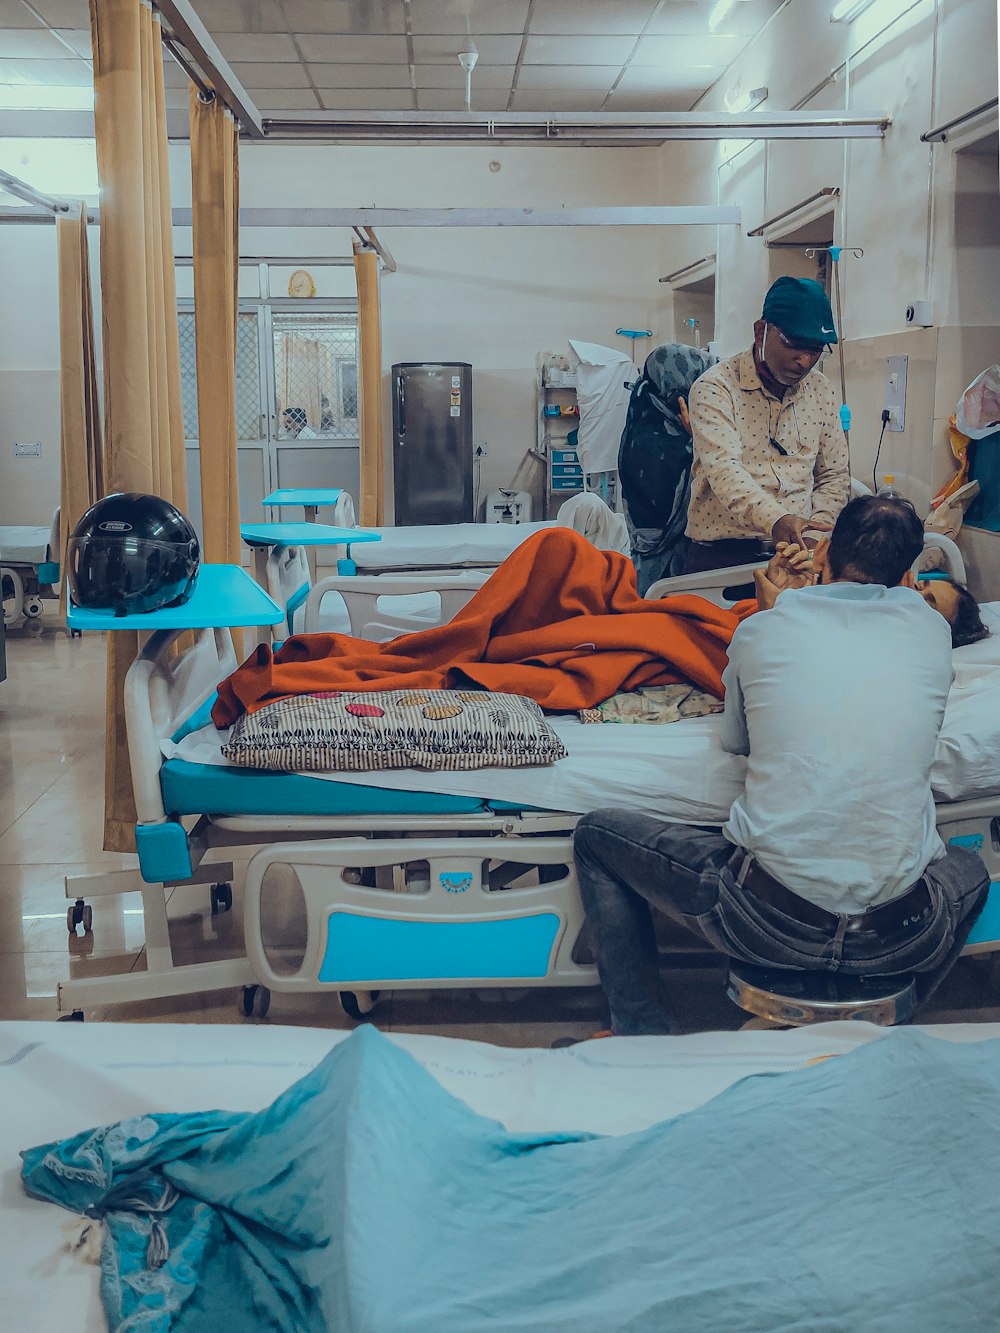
(895, 392)
(27, 448)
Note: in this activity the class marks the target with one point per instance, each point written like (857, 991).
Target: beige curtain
(215, 221)
(303, 369)
(81, 447)
(143, 424)
(372, 499)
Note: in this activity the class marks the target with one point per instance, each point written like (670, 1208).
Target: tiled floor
(51, 779)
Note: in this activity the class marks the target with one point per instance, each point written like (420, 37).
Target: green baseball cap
(800, 308)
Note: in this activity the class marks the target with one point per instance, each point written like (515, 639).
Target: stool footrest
(801, 998)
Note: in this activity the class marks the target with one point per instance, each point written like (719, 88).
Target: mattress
(24, 546)
(442, 546)
(58, 1079)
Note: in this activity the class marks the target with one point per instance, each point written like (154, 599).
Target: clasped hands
(791, 566)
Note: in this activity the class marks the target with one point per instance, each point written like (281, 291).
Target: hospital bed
(29, 569)
(405, 879)
(56, 1081)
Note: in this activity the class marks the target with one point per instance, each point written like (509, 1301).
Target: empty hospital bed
(404, 879)
(29, 569)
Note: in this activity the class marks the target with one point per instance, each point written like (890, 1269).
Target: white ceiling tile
(351, 49)
(31, 44)
(271, 76)
(175, 99)
(260, 47)
(559, 100)
(578, 50)
(674, 100)
(620, 18)
(63, 13)
(79, 41)
(484, 77)
(355, 16)
(581, 78)
(173, 75)
(691, 16)
(366, 99)
(475, 17)
(444, 50)
(666, 78)
(241, 15)
(712, 49)
(270, 100)
(359, 76)
(65, 73)
(13, 14)
(437, 99)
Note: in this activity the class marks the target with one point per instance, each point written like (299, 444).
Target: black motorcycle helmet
(132, 553)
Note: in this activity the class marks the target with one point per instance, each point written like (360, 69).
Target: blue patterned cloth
(862, 1193)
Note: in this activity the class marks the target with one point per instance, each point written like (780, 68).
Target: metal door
(432, 443)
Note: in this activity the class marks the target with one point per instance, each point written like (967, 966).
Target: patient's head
(958, 606)
(875, 540)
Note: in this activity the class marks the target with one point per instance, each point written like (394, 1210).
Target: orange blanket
(559, 622)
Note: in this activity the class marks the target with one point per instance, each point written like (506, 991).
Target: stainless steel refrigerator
(432, 442)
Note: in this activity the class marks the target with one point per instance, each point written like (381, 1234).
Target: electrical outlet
(895, 392)
(27, 448)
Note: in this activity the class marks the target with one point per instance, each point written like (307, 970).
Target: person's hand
(767, 593)
(792, 529)
(791, 566)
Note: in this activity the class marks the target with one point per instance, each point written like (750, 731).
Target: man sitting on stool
(830, 859)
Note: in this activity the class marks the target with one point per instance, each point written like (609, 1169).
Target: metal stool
(797, 999)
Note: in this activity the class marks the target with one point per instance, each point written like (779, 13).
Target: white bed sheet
(56, 1080)
(443, 546)
(24, 546)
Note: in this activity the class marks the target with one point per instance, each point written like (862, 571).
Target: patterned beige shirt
(740, 483)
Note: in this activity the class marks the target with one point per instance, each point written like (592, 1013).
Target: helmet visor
(130, 575)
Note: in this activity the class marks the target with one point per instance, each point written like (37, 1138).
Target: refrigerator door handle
(401, 407)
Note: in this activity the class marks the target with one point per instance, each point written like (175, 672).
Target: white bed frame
(435, 870)
(22, 579)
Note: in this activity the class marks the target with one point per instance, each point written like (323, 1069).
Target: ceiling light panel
(689, 18)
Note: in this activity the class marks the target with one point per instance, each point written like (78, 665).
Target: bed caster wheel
(76, 634)
(255, 1001)
(33, 607)
(75, 1017)
(222, 898)
(80, 914)
(356, 1004)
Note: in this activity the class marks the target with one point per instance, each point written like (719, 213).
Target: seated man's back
(837, 695)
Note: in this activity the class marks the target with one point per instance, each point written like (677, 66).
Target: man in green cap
(770, 457)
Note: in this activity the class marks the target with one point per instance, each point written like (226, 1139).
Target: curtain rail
(940, 134)
(827, 192)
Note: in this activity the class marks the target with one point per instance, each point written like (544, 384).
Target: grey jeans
(627, 862)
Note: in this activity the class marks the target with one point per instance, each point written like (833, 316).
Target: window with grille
(316, 375)
(248, 386)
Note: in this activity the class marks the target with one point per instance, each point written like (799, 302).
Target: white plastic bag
(978, 412)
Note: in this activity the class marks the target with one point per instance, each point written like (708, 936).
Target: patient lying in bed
(559, 622)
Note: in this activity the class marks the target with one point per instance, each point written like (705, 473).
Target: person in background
(831, 859)
(770, 457)
(296, 424)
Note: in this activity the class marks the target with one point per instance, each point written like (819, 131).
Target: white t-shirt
(837, 696)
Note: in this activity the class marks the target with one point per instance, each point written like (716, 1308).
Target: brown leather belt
(886, 920)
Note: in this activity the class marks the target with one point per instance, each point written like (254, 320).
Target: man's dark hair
(967, 627)
(875, 540)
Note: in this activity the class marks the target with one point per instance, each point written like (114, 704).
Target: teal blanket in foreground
(859, 1194)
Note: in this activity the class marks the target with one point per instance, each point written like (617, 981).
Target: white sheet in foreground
(56, 1080)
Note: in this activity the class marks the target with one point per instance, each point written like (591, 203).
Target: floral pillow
(430, 729)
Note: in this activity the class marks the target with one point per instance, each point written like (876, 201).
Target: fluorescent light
(738, 101)
(719, 13)
(44, 97)
(844, 11)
